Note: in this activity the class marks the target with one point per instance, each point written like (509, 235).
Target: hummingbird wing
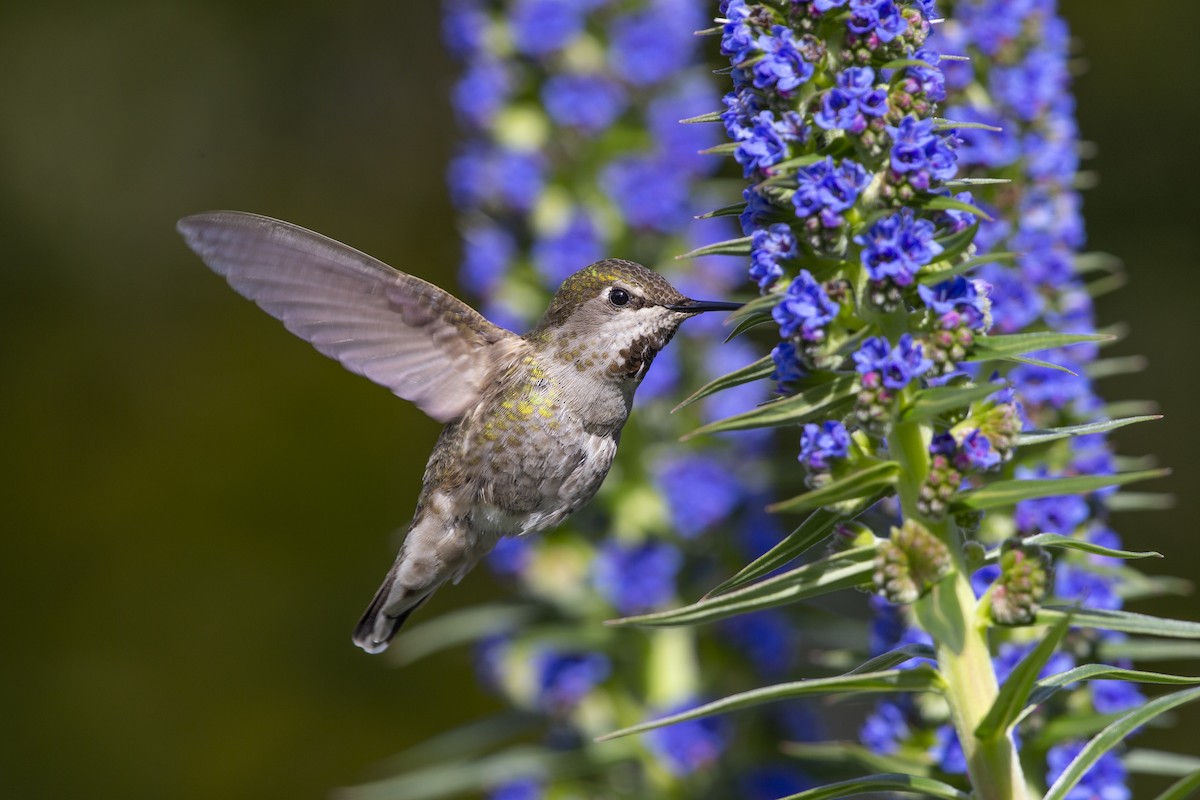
(400, 331)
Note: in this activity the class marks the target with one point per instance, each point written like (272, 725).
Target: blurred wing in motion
(401, 332)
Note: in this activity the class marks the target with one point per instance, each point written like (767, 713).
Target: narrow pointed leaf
(1160, 762)
(1124, 621)
(818, 402)
(732, 210)
(941, 202)
(712, 116)
(976, 181)
(894, 658)
(842, 570)
(1183, 788)
(1139, 501)
(1112, 736)
(1047, 687)
(457, 628)
(746, 324)
(953, 245)
(918, 679)
(888, 782)
(1049, 435)
(724, 149)
(1110, 367)
(851, 754)
(1037, 362)
(1149, 650)
(813, 530)
(853, 486)
(1014, 694)
(1016, 344)
(751, 372)
(758, 307)
(729, 247)
(1006, 493)
(938, 271)
(1067, 543)
(929, 403)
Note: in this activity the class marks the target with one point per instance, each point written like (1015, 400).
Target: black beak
(697, 306)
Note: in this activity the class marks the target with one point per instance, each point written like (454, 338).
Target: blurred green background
(198, 506)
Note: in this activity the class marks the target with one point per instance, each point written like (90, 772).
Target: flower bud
(1025, 572)
(909, 563)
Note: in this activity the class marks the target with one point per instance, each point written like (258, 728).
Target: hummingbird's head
(613, 317)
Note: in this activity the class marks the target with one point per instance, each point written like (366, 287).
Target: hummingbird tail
(384, 616)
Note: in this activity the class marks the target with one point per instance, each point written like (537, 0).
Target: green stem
(949, 613)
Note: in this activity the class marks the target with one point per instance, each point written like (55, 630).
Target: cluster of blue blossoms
(879, 279)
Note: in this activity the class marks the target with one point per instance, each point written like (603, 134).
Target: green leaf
(817, 402)
(813, 530)
(1149, 650)
(751, 372)
(1139, 501)
(933, 274)
(1160, 762)
(729, 247)
(1124, 621)
(1049, 435)
(712, 116)
(888, 782)
(929, 403)
(1109, 367)
(1067, 543)
(894, 658)
(954, 245)
(1037, 362)
(1016, 344)
(1014, 694)
(744, 325)
(732, 210)
(457, 777)
(1112, 736)
(918, 679)
(897, 63)
(1006, 493)
(941, 202)
(843, 570)
(851, 487)
(724, 149)
(976, 181)
(1047, 687)
(458, 628)
(1183, 788)
(850, 754)
(758, 307)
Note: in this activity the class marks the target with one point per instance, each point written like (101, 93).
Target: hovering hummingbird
(532, 422)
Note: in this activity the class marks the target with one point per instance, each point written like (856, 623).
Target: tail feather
(386, 613)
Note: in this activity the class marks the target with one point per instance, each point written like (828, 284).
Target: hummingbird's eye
(618, 297)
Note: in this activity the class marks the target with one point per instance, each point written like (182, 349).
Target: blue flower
(687, 747)
(556, 256)
(1076, 582)
(563, 679)
(804, 309)
(481, 92)
(765, 143)
(1105, 780)
(1111, 697)
(519, 789)
(820, 444)
(781, 67)
(920, 153)
(738, 40)
(787, 365)
(539, 27)
(464, 26)
(1060, 514)
(828, 5)
(958, 301)
(636, 578)
(947, 751)
(700, 491)
(977, 452)
(886, 727)
(511, 556)
(896, 246)
(767, 247)
(879, 17)
(1015, 304)
(588, 102)
(897, 366)
(665, 208)
(824, 186)
(851, 101)
(488, 251)
(652, 45)
(766, 638)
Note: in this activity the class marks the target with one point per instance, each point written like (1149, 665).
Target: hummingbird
(531, 422)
